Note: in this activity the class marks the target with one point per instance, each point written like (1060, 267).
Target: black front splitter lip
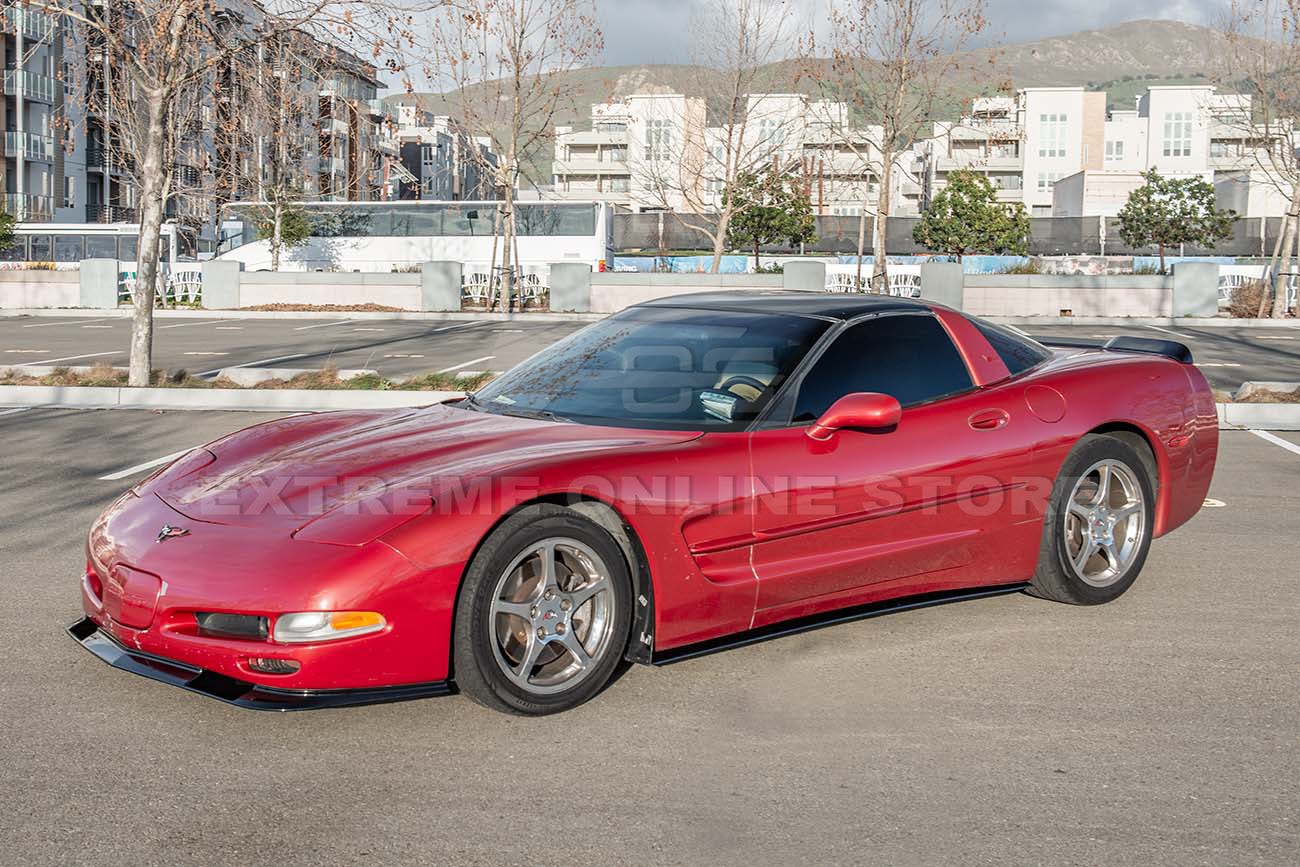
(231, 690)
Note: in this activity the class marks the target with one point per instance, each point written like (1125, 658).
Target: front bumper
(240, 693)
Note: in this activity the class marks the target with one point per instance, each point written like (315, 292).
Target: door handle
(989, 419)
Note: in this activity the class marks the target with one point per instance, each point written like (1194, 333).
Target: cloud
(659, 31)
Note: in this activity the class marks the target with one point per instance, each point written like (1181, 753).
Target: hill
(1121, 60)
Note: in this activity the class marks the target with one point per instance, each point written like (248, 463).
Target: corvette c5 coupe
(693, 472)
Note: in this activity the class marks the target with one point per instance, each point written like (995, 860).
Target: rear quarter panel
(1168, 402)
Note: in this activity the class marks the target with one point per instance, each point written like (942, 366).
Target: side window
(1017, 353)
(909, 357)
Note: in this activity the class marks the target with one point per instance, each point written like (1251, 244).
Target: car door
(867, 507)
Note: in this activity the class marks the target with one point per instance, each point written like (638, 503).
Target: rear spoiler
(1149, 345)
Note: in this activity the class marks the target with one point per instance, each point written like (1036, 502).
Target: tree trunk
(277, 234)
(1160, 248)
(880, 269)
(720, 241)
(757, 265)
(1280, 281)
(152, 180)
(507, 249)
(862, 245)
(1270, 271)
(1283, 266)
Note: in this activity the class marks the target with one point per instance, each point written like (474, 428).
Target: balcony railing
(33, 147)
(24, 206)
(40, 88)
(32, 24)
(111, 214)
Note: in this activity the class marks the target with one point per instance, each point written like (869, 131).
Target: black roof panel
(834, 305)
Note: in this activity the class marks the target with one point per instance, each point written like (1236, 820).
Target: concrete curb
(1260, 416)
(126, 312)
(248, 400)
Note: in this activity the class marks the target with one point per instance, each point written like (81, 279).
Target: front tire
(543, 616)
(1098, 526)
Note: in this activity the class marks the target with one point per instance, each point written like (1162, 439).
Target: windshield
(659, 367)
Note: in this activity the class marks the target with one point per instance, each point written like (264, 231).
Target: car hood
(286, 473)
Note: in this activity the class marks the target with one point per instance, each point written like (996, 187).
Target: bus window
(127, 248)
(101, 247)
(42, 249)
(423, 222)
(462, 221)
(69, 248)
(533, 219)
(15, 252)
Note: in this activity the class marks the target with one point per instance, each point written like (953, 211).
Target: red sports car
(694, 472)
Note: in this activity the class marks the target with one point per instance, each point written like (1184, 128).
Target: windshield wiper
(544, 414)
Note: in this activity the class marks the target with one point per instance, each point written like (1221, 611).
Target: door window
(908, 357)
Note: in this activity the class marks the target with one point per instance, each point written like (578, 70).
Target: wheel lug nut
(559, 629)
(541, 632)
(565, 604)
(532, 612)
(550, 594)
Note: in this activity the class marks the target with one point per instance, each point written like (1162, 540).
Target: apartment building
(64, 161)
(653, 152)
(441, 162)
(1058, 151)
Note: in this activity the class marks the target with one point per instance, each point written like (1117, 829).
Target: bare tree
(1262, 60)
(893, 62)
(728, 123)
(162, 60)
(503, 65)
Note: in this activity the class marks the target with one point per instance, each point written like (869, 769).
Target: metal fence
(1048, 236)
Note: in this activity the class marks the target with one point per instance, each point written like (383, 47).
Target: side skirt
(240, 693)
(829, 618)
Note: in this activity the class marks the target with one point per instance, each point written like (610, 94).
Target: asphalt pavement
(200, 345)
(1161, 729)
(1227, 355)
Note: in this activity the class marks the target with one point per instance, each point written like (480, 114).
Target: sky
(656, 31)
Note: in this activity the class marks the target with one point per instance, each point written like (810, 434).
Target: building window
(1221, 148)
(658, 140)
(1051, 131)
(616, 154)
(1178, 134)
(617, 185)
(1114, 151)
(1047, 180)
(69, 192)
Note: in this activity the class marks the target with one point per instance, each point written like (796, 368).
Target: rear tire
(1098, 526)
(543, 616)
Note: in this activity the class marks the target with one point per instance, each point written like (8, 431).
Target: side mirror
(864, 409)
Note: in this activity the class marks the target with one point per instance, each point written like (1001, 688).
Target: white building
(658, 152)
(1027, 144)
(441, 162)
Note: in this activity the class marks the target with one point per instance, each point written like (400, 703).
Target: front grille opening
(220, 625)
(273, 666)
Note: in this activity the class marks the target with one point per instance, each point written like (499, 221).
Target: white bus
(63, 245)
(398, 236)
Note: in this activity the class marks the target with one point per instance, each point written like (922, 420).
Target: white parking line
(29, 351)
(14, 411)
(82, 322)
(1218, 364)
(229, 328)
(207, 353)
(1276, 440)
(1275, 337)
(97, 326)
(1166, 331)
(323, 325)
(466, 364)
(201, 322)
(77, 357)
(147, 465)
(367, 329)
(457, 326)
(250, 364)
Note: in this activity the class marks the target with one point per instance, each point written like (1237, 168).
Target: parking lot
(1227, 355)
(1161, 729)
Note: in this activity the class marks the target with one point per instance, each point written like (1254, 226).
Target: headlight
(304, 626)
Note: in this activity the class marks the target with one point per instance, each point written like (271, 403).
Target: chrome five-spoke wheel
(552, 615)
(1105, 522)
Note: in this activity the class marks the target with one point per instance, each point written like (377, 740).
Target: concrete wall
(612, 292)
(390, 290)
(29, 289)
(1049, 295)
